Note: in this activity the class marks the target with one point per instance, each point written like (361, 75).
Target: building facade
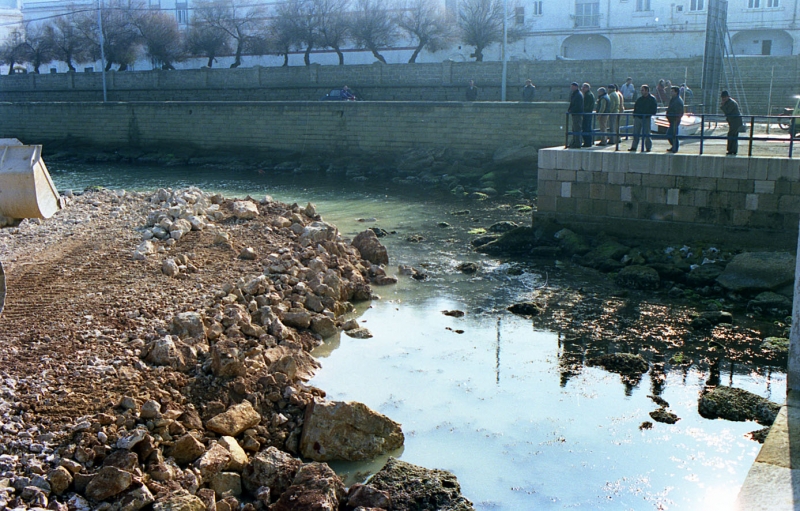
(555, 29)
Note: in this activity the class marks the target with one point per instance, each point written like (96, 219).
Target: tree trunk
(378, 55)
(108, 65)
(70, 66)
(478, 54)
(307, 56)
(167, 66)
(238, 61)
(339, 54)
(286, 59)
(123, 67)
(11, 67)
(210, 61)
(414, 55)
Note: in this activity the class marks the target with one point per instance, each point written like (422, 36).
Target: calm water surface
(488, 404)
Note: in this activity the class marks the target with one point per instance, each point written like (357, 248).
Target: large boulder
(758, 271)
(336, 430)
(412, 488)
(370, 248)
(271, 468)
(189, 324)
(514, 242)
(638, 277)
(737, 405)
(315, 487)
(171, 352)
(234, 420)
(244, 210)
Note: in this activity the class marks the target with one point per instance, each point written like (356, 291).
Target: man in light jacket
(603, 108)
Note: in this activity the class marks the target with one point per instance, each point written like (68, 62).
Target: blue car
(336, 95)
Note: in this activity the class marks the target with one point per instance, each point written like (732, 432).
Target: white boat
(690, 124)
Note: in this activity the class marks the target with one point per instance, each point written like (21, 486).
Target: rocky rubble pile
(224, 411)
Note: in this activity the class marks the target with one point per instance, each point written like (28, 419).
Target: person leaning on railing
(575, 111)
(730, 108)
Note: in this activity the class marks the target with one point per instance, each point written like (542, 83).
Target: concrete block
(684, 214)
(768, 202)
(710, 166)
(783, 186)
(741, 217)
(547, 158)
(728, 185)
(579, 190)
(600, 177)
(599, 208)
(566, 175)
(777, 168)
(615, 209)
(700, 198)
(583, 176)
(657, 212)
(640, 163)
(795, 188)
(789, 204)
(583, 207)
(615, 161)
(751, 202)
(684, 165)
(673, 195)
(564, 158)
(618, 178)
(661, 164)
(547, 174)
(592, 160)
(625, 194)
(792, 172)
(633, 179)
(566, 189)
(655, 195)
(612, 192)
(550, 188)
(597, 191)
(565, 205)
(768, 220)
(757, 168)
(735, 168)
(658, 181)
(736, 200)
(546, 203)
(764, 186)
(631, 209)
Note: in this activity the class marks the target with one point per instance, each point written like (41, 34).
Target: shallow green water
(491, 404)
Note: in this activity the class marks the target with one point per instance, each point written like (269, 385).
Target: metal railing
(707, 126)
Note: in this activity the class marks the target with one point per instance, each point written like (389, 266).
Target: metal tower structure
(719, 62)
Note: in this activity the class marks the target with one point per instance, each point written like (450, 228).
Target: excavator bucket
(26, 189)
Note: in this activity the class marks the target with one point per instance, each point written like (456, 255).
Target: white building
(572, 29)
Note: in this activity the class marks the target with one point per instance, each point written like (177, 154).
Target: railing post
(702, 131)
(566, 131)
(752, 126)
(791, 136)
(619, 118)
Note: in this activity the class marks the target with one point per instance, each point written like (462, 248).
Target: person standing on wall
(529, 91)
(730, 108)
(472, 91)
(628, 90)
(588, 120)
(645, 107)
(674, 115)
(576, 114)
(603, 108)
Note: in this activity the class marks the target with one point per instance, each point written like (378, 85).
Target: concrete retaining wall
(444, 81)
(690, 197)
(341, 127)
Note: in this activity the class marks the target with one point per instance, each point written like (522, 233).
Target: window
(182, 13)
(697, 5)
(155, 4)
(519, 15)
(753, 4)
(537, 8)
(773, 3)
(587, 13)
(642, 5)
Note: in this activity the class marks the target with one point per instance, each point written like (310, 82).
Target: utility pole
(102, 50)
(505, 51)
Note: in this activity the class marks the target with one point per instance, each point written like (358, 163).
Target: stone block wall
(323, 127)
(445, 81)
(682, 196)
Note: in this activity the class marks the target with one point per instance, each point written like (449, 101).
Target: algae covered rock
(414, 488)
(514, 242)
(758, 271)
(737, 405)
(638, 277)
(621, 363)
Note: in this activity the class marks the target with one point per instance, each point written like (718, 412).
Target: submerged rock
(712, 318)
(414, 488)
(337, 430)
(370, 248)
(758, 271)
(526, 309)
(665, 416)
(621, 363)
(739, 405)
(638, 277)
(516, 241)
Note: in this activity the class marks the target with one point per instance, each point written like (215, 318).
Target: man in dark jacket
(645, 107)
(674, 115)
(730, 108)
(472, 91)
(529, 91)
(588, 120)
(576, 113)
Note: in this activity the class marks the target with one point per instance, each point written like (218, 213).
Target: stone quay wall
(444, 81)
(322, 127)
(753, 201)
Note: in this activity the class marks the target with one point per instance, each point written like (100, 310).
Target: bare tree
(372, 27)
(66, 40)
(239, 19)
(424, 21)
(121, 39)
(207, 41)
(12, 51)
(281, 38)
(160, 35)
(37, 47)
(481, 24)
(332, 25)
(299, 19)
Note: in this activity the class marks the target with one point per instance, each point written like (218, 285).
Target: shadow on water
(507, 403)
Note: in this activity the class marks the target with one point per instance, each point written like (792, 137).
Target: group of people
(610, 101)
(528, 91)
(582, 101)
(662, 94)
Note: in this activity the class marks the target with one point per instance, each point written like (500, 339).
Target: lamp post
(505, 51)
(102, 50)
